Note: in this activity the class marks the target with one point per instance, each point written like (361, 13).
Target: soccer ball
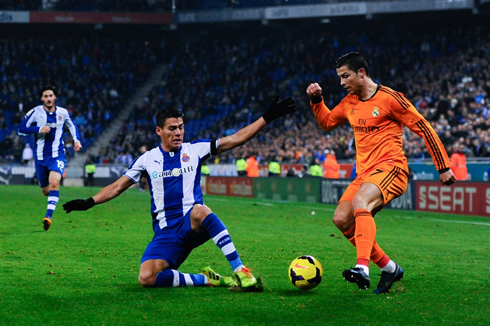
(305, 272)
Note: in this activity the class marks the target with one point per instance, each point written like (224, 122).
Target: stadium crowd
(147, 5)
(223, 83)
(94, 78)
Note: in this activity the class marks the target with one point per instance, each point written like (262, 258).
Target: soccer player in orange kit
(376, 114)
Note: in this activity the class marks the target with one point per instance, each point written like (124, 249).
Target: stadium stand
(226, 82)
(95, 77)
(224, 78)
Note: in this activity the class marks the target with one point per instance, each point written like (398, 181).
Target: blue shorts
(174, 243)
(43, 168)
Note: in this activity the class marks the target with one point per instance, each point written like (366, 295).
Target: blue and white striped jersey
(48, 145)
(174, 179)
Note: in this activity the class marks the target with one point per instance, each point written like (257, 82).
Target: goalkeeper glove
(277, 110)
(79, 205)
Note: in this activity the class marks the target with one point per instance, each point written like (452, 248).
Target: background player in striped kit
(46, 122)
(181, 221)
(376, 114)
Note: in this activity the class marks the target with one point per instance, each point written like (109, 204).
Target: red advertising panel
(100, 17)
(230, 186)
(469, 198)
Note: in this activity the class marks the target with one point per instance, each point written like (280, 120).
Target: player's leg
(53, 193)
(42, 173)
(344, 220)
(159, 273)
(203, 219)
(168, 249)
(56, 169)
(392, 183)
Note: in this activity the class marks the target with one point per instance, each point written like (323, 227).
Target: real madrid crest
(375, 112)
(185, 158)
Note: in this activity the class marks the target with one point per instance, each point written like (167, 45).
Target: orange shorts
(391, 179)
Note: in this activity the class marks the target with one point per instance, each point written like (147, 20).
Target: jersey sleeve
(26, 127)
(407, 114)
(205, 147)
(72, 127)
(326, 118)
(137, 168)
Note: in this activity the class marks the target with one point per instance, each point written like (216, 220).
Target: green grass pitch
(84, 270)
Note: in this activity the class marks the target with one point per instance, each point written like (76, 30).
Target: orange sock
(377, 254)
(350, 235)
(365, 234)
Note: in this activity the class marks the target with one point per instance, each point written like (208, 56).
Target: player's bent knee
(340, 220)
(147, 279)
(200, 212)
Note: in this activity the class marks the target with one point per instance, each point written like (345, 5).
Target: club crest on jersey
(185, 158)
(375, 112)
(60, 118)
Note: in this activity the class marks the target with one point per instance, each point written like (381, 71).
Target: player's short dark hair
(48, 88)
(353, 61)
(163, 115)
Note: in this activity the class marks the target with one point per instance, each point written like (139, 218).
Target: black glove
(277, 110)
(79, 205)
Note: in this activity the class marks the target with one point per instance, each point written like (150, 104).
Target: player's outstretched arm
(111, 191)
(276, 110)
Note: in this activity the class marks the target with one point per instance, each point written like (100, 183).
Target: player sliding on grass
(377, 115)
(181, 221)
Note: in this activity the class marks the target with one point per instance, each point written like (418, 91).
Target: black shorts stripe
(439, 160)
(398, 97)
(390, 177)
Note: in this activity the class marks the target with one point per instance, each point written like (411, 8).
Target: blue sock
(53, 197)
(173, 278)
(218, 232)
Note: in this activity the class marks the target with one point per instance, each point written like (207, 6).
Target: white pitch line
(320, 209)
(447, 221)
(241, 201)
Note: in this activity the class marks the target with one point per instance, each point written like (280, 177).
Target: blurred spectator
(90, 169)
(331, 167)
(252, 167)
(315, 170)
(458, 162)
(27, 155)
(274, 167)
(241, 166)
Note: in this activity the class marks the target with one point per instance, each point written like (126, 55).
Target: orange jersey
(377, 124)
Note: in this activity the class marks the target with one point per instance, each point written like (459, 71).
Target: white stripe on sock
(176, 282)
(220, 235)
(228, 249)
(188, 280)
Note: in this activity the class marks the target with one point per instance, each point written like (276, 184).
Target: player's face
(48, 99)
(172, 134)
(349, 80)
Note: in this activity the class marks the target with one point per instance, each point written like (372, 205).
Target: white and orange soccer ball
(305, 272)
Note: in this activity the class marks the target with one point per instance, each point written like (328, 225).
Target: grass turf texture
(84, 270)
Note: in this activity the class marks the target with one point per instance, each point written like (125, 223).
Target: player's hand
(45, 130)
(77, 146)
(79, 205)
(277, 110)
(314, 90)
(447, 178)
